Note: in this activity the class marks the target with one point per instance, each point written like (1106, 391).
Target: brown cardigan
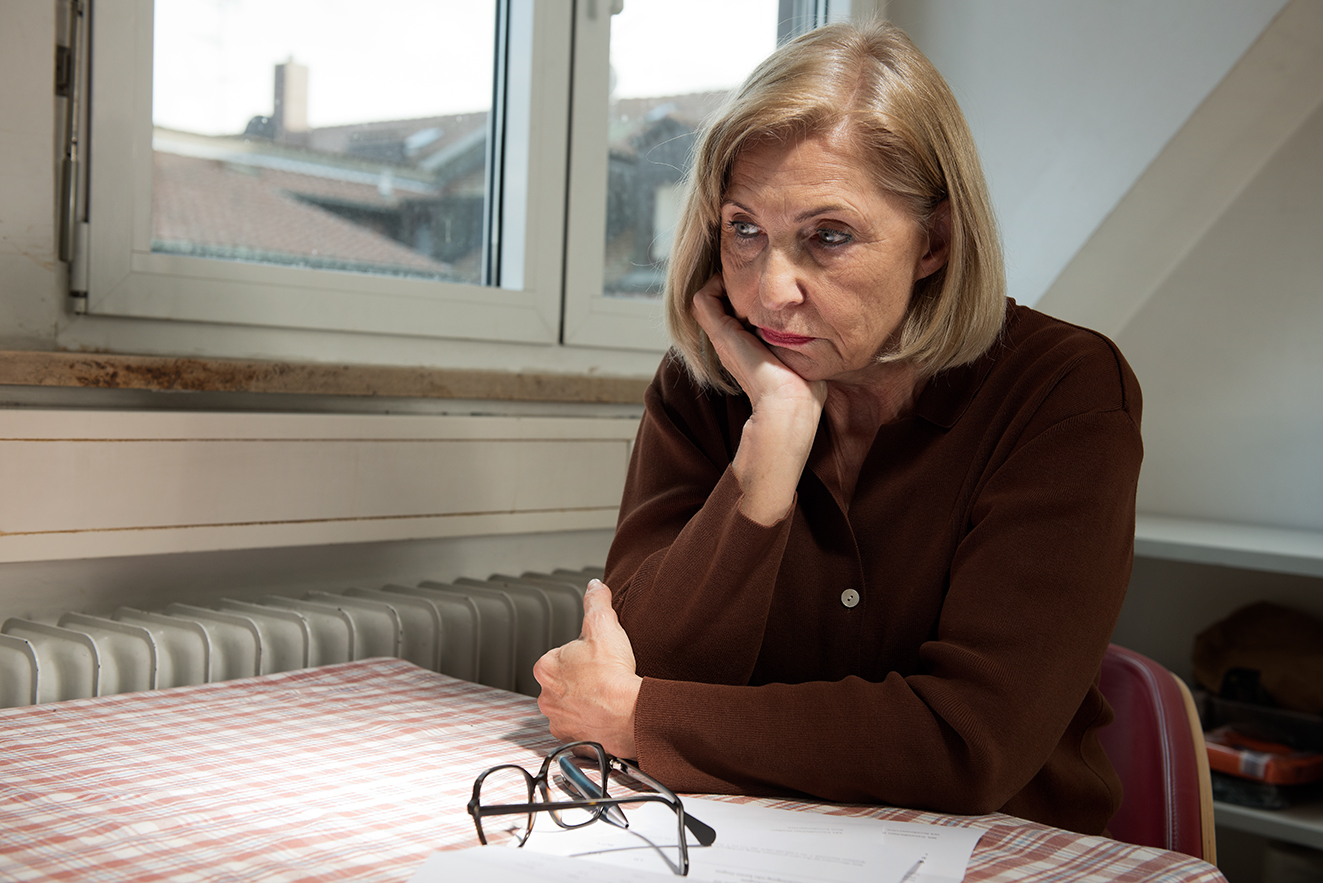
(989, 539)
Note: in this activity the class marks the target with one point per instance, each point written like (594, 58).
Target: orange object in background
(1259, 760)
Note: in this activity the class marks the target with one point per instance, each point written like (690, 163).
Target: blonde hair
(869, 82)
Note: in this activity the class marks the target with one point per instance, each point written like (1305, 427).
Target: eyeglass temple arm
(704, 833)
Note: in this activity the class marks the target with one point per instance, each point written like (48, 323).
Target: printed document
(754, 844)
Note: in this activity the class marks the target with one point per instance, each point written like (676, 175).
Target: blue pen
(586, 788)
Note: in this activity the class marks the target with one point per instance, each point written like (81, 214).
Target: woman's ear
(939, 242)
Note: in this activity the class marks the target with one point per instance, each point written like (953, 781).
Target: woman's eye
(744, 229)
(833, 237)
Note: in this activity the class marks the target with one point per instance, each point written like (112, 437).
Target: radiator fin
(488, 631)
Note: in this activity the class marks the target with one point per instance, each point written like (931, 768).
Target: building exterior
(400, 197)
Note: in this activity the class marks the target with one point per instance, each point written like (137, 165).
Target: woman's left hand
(589, 686)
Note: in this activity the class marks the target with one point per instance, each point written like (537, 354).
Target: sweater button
(849, 597)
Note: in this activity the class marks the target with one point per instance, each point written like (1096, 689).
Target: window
(505, 170)
(253, 160)
(644, 81)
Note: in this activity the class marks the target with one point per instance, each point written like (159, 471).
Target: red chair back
(1158, 752)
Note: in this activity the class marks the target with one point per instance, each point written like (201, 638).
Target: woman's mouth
(782, 338)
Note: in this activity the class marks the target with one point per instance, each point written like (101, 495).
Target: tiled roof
(207, 206)
(259, 199)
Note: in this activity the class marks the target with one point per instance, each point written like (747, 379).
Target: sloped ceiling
(1070, 103)
(1226, 142)
(1229, 352)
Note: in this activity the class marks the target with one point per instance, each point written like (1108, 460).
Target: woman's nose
(779, 285)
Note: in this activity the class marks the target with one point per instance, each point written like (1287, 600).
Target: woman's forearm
(680, 573)
(771, 457)
(777, 438)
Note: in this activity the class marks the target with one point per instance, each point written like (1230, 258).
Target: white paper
(492, 864)
(757, 844)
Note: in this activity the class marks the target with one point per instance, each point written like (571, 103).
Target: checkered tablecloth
(348, 772)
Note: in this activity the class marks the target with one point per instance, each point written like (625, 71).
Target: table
(347, 772)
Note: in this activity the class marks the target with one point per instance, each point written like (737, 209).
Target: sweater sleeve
(684, 556)
(997, 711)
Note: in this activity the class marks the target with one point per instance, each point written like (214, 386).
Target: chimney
(291, 105)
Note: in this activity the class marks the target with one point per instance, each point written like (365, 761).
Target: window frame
(592, 317)
(124, 277)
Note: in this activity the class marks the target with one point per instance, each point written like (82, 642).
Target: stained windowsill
(176, 374)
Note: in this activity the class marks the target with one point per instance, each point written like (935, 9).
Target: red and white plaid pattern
(348, 772)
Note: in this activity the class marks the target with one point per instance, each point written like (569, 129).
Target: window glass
(328, 134)
(672, 63)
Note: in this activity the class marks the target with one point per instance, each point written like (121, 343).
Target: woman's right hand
(786, 410)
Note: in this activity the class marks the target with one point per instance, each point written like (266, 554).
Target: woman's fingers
(755, 368)
(589, 686)
(709, 309)
(764, 378)
(735, 346)
(602, 627)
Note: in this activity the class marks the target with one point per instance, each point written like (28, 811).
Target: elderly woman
(879, 520)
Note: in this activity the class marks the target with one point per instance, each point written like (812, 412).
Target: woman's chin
(802, 364)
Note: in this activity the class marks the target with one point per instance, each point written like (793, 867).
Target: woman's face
(818, 259)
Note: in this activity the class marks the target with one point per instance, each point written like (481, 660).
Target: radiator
(489, 631)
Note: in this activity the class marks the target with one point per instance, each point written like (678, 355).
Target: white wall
(1230, 354)
(1070, 102)
(88, 483)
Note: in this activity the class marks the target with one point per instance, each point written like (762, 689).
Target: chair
(1157, 746)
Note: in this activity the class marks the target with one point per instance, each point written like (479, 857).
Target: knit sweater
(937, 643)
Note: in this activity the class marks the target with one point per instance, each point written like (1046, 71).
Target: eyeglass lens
(506, 786)
(574, 773)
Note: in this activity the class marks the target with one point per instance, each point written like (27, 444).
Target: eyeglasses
(583, 770)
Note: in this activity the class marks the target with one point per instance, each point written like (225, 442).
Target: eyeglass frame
(598, 805)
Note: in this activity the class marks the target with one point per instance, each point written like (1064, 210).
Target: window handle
(613, 7)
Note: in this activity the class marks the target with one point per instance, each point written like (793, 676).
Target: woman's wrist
(628, 698)
(774, 447)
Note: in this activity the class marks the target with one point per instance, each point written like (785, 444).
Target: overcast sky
(398, 59)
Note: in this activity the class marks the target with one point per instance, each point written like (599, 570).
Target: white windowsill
(1247, 546)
